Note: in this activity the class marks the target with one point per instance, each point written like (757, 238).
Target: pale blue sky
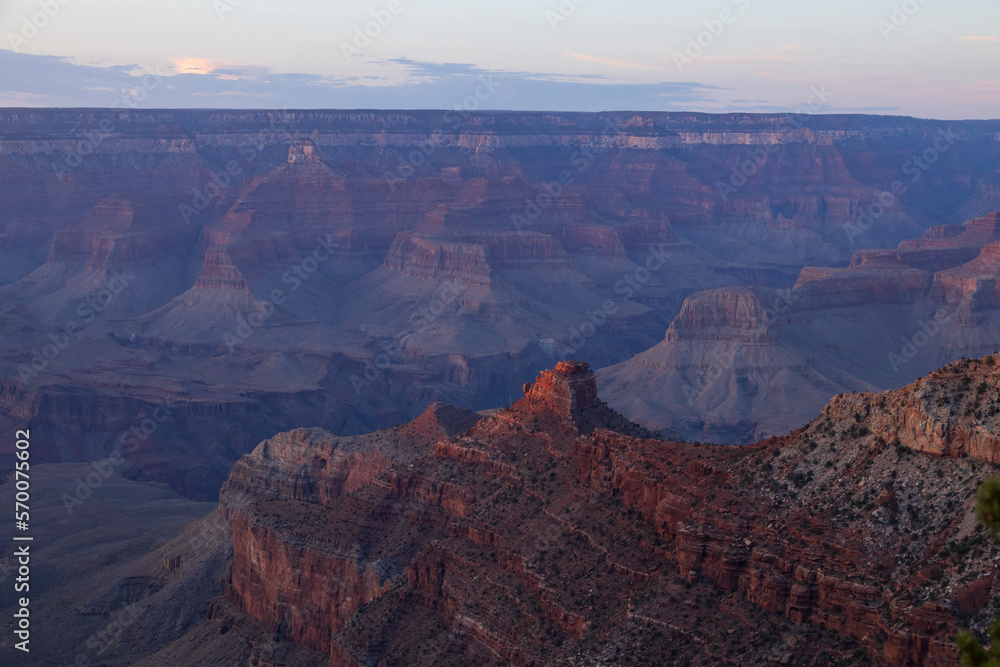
(943, 61)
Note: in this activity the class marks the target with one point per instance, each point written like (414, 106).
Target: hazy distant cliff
(255, 271)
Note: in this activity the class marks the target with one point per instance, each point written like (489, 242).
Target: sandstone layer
(556, 532)
(201, 280)
(741, 363)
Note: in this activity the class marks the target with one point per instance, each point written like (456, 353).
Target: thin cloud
(981, 38)
(33, 80)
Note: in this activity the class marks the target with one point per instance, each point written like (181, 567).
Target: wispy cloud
(981, 38)
(33, 80)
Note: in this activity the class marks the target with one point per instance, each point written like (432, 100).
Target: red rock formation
(881, 276)
(524, 541)
(440, 260)
(945, 247)
(975, 284)
(219, 272)
(326, 586)
(312, 464)
(953, 413)
(567, 391)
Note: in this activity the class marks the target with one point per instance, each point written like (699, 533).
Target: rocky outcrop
(528, 539)
(294, 586)
(727, 548)
(870, 280)
(720, 369)
(219, 272)
(568, 390)
(952, 413)
(312, 467)
(479, 260)
(883, 320)
(302, 150)
(307, 464)
(315, 465)
(975, 284)
(732, 314)
(945, 247)
(440, 260)
(903, 276)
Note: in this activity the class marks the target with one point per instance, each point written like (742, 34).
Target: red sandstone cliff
(553, 532)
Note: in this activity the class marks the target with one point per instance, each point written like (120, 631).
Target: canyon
(180, 285)
(741, 364)
(557, 532)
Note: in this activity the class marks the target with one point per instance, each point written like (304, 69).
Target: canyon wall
(556, 531)
(368, 264)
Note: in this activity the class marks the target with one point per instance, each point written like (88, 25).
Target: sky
(924, 58)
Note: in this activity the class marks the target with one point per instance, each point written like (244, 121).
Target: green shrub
(972, 652)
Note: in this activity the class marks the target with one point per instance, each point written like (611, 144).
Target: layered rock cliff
(367, 264)
(556, 532)
(749, 362)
